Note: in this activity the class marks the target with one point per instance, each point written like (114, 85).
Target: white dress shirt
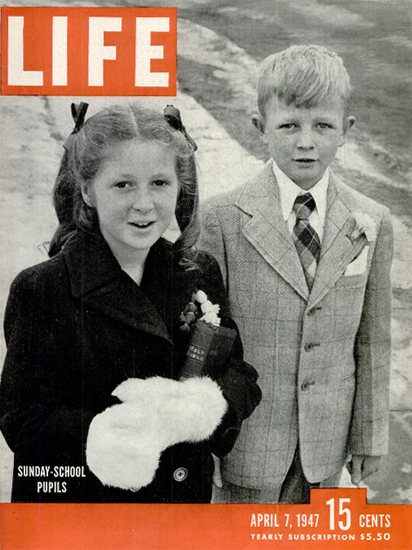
(288, 191)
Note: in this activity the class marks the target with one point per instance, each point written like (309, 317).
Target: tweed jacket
(77, 326)
(323, 358)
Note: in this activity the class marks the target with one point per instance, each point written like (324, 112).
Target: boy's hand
(217, 476)
(362, 466)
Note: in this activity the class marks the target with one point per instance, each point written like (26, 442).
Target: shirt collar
(288, 191)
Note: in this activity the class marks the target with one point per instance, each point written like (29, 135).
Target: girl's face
(134, 192)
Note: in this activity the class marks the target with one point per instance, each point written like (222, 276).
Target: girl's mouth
(142, 225)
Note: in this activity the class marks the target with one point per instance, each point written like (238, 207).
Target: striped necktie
(306, 239)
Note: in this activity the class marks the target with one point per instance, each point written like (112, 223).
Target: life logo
(88, 51)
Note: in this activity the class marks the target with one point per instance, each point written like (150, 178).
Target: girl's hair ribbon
(78, 113)
(172, 115)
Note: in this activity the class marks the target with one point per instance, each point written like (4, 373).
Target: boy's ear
(347, 125)
(259, 123)
(87, 195)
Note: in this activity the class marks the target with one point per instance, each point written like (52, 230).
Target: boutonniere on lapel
(210, 344)
(364, 226)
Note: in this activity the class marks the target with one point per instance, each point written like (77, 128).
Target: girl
(90, 399)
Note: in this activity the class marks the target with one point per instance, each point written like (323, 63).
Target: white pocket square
(358, 266)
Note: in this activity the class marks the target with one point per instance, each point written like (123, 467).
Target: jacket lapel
(267, 230)
(98, 280)
(337, 249)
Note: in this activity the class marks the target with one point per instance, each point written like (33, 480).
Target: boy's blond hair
(303, 75)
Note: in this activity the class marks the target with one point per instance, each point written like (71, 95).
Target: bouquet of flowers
(210, 344)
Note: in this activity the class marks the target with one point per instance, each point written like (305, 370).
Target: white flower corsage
(210, 311)
(200, 308)
(364, 225)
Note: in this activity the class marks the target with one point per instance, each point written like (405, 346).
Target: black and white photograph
(206, 298)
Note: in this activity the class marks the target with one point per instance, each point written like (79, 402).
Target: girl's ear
(347, 125)
(87, 195)
(259, 123)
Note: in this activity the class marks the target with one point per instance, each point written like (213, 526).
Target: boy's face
(304, 141)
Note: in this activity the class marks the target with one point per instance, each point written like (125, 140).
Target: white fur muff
(125, 441)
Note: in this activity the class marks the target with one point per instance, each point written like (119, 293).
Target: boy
(306, 260)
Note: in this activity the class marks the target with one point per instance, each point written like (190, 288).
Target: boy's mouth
(305, 161)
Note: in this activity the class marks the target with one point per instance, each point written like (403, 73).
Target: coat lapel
(267, 230)
(337, 249)
(98, 280)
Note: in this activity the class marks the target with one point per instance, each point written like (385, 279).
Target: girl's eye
(122, 184)
(160, 183)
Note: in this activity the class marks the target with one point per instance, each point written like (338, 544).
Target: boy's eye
(324, 125)
(288, 125)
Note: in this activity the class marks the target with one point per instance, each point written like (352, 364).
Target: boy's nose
(305, 140)
(142, 201)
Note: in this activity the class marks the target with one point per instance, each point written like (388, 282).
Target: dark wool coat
(77, 326)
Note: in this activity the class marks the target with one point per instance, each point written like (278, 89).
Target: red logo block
(88, 51)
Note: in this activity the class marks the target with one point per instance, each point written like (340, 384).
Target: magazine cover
(206, 289)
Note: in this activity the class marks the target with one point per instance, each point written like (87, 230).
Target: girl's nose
(142, 200)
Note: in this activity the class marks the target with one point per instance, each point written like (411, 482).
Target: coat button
(306, 384)
(312, 311)
(180, 474)
(310, 345)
